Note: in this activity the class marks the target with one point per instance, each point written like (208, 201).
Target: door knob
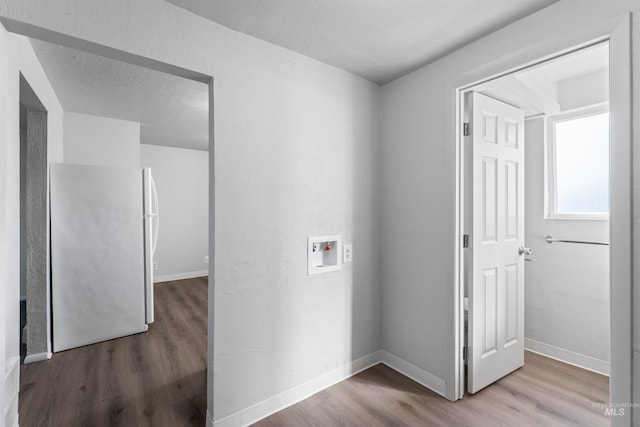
(524, 251)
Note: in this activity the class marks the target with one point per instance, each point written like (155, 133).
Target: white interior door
(496, 294)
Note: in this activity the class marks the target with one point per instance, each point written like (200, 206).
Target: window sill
(579, 217)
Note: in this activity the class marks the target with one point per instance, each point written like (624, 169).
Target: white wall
(419, 175)
(5, 278)
(17, 56)
(296, 155)
(567, 285)
(101, 141)
(182, 180)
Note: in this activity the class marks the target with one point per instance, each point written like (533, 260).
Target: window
(579, 165)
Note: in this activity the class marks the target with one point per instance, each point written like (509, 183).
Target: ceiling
(172, 111)
(376, 39)
(538, 89)
(379, 40)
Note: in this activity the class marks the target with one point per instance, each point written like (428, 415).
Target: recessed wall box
(324, 254)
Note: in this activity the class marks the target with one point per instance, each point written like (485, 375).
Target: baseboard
(11, 412)
(38, 357)
(276, 403)
(292, 396)
(12, 363)
(430, 381)
(180, 276)
(11, 389)
(567, 356)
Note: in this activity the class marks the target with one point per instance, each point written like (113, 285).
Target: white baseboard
(568, 356)
(11, 388)
(38, 357)
(12, 373)
(294, 395)
(180, 276)
(430, 381)
(11, 411)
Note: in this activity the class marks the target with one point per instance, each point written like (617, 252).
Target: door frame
(65, 40)
(618, 33)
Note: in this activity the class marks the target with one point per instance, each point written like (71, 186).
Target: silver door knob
(524, 251)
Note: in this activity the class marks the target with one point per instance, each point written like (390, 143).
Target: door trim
(618, 33)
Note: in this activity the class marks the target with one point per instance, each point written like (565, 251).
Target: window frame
(551, 200)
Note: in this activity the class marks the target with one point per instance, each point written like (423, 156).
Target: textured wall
(296, 155)
(23, 195)
(36, 232)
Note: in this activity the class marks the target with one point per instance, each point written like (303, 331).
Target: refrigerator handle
(155, 212)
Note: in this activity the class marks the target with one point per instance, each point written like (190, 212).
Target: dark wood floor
(542, 393)
(157, 378)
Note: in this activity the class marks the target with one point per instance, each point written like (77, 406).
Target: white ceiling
(537, 89)
(379, 40)
(172, 111)
(577, 63)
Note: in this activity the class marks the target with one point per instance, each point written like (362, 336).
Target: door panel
(511, 300)
(489, 199)
(488, 306)
(496, 294)
(511, 202)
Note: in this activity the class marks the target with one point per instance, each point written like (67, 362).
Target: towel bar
(550, 240)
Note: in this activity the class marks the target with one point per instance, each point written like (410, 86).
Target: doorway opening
(197, 290)
(618, 229)
(551, 180)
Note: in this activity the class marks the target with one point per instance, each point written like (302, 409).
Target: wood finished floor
(157, 378)
(542, 393)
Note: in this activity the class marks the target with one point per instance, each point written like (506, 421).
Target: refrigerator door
(97, 253)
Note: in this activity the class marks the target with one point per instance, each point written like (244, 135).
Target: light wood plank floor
(157, 378)
(542, 393)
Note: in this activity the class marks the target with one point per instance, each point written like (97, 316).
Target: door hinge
(465, 241)
(465, 129)
(465, 353)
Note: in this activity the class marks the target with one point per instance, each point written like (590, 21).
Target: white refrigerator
(103, 234)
